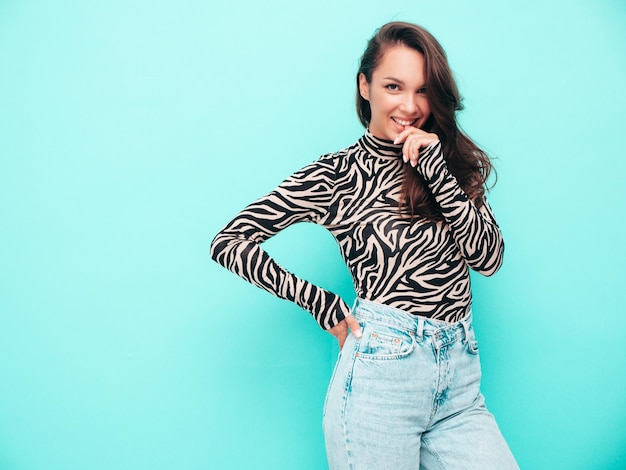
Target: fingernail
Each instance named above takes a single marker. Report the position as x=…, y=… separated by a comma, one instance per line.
x=404, y=157
x=395, y=141
x=358, y=333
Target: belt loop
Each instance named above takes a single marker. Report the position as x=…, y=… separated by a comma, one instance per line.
x=355, y=305
x=420, y=328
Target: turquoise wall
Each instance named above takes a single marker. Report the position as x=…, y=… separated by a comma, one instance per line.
x=131, y=131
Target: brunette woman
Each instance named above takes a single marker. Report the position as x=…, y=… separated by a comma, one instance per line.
x=406, y=204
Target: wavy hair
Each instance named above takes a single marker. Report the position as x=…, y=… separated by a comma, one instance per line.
x=465, y=160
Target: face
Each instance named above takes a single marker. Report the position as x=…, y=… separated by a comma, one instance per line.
x=397, y=92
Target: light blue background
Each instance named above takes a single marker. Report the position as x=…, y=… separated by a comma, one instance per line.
x=130, y=133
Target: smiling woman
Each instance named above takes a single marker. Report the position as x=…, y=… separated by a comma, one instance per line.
x=396, y=92
x=406, y=205
x=405, y=82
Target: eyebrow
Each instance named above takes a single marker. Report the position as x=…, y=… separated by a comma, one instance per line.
x=394, y=79
x=397, y=80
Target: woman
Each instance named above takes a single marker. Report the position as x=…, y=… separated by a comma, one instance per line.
x=406, y=205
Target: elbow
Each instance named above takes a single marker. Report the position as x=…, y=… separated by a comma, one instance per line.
x=487, y=272
x=226, y=248
x=216, y=247
x=488, y=265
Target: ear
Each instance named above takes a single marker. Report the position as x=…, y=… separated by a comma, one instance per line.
x=364, y=87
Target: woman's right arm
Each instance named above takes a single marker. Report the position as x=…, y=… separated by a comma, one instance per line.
x=304, y=197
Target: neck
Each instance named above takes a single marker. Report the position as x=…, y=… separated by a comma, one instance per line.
x=380, y=147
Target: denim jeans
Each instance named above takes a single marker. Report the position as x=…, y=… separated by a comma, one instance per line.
x=407, y=396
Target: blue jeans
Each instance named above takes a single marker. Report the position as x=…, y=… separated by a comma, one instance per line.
x=407, y=396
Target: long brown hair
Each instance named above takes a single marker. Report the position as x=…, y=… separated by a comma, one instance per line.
x=468, y=163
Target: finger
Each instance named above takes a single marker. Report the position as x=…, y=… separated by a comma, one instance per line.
x=403, y=135
x=410, y=137
x=411, y=151
x=406, y=151
x=416, y=144
x=354, y=326
x=410, y=132
x=415, y=153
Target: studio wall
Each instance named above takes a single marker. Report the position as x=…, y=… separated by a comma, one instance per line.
x=132, y=131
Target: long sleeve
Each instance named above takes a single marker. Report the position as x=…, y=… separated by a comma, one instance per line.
x=304, y=197
x=475, y=230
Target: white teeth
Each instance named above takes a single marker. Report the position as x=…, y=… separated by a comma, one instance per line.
x=404, y=123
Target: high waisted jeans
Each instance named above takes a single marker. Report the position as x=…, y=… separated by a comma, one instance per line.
x=407, y=396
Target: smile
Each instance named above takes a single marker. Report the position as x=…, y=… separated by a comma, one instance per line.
x=404, y=123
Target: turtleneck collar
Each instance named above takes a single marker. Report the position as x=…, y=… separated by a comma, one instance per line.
x=380, y=147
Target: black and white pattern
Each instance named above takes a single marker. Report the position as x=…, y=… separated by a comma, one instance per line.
x=419, y=266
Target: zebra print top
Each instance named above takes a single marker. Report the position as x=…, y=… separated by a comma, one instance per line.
x=419, y=266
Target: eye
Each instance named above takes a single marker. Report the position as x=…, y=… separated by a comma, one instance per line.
x=421, y=91
x=392, y=87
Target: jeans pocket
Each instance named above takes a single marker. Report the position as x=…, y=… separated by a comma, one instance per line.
x=385, y=342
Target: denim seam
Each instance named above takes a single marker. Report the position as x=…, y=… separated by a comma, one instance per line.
x=397, y=325
x=344, y=412
x=419, y=328
x=384, y=357
x=332, y=380
x=428, y=444
x=388, y=357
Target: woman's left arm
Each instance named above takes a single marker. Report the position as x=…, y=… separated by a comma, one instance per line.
x=474, y=229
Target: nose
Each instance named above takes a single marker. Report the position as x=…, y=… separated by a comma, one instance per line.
x=409, y=104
